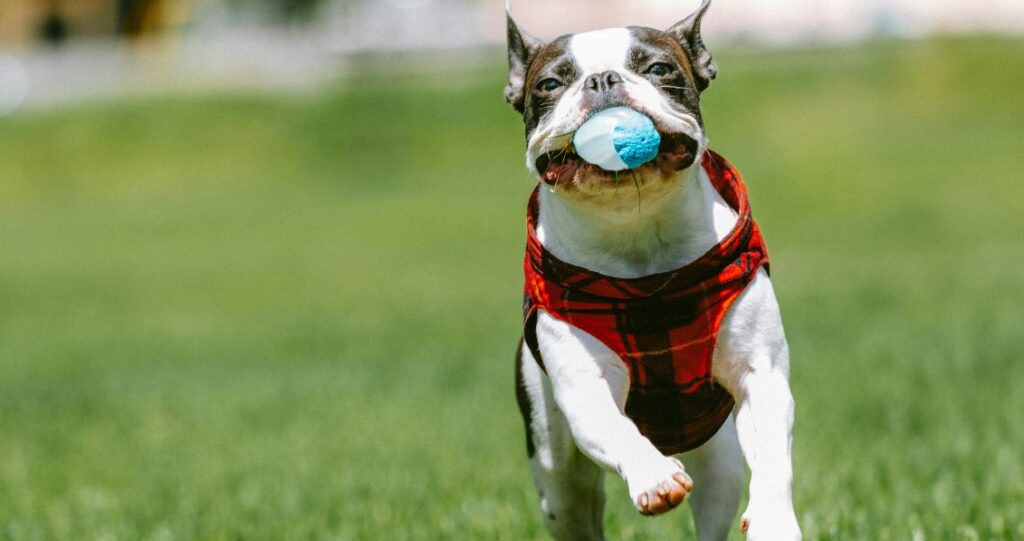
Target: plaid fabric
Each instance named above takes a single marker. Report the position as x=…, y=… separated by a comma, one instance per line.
x=663, y=326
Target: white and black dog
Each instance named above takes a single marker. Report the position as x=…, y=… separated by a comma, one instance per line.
x=619, y=271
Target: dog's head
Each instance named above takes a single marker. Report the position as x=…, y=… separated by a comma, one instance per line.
x=558, y=85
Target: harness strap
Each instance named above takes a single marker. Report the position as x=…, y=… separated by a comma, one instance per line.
x=530, y=335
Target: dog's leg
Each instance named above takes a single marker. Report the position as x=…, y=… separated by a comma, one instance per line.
x=752, y=362
x=718, y=472
x=589, y=384
x=570, y=485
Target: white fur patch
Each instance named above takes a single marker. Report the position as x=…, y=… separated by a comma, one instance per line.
x=602, y=50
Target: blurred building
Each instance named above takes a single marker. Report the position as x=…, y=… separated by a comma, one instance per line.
x=24, y=22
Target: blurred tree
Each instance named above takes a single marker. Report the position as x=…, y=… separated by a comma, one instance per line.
x=135, y=17
x=53, y=29
x=288, y=10
x=297, y=9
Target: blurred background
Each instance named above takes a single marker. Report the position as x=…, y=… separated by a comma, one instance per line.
x=260, y=263
x=69, y=50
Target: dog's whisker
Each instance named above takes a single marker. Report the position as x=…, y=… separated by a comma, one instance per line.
x=560, y=141
x=636, y=182
x=565, y=156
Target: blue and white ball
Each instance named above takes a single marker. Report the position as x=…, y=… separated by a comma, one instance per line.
x=617, y=139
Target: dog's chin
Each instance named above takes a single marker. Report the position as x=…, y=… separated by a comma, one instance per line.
x=565, y=170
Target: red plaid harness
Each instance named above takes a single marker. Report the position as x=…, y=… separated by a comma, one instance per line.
x=662, y=326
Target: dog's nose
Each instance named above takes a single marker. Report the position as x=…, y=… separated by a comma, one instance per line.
x=602, y=82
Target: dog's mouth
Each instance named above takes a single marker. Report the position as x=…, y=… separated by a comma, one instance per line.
x=677, y=152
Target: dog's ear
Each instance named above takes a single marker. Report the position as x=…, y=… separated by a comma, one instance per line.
x=521, y=49
x=687, y=31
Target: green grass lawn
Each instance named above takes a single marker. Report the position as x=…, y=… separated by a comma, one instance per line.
x=261, y=317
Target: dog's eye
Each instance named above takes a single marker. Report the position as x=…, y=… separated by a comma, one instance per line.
x=549, y=85
x=659, y=69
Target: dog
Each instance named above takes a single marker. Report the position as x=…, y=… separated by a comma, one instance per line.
x=652, y=335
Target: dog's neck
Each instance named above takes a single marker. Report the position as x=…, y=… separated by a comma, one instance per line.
x=659, y=230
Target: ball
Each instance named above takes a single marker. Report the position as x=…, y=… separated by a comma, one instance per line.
x=617, y=139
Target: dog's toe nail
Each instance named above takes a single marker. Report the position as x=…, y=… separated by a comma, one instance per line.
x=676, y=497
x=684, y=481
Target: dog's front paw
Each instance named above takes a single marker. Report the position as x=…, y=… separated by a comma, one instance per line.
x=772, y=523
x=659, y=487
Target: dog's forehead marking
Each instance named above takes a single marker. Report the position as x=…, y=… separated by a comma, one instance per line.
x=601, y=50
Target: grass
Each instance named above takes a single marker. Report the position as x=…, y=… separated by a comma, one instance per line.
x=259, y=317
